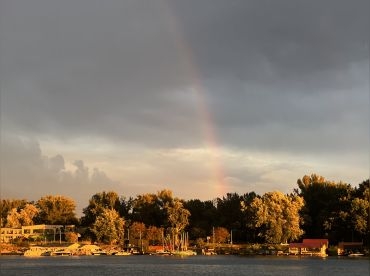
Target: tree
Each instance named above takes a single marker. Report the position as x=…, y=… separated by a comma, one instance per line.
x=13, y=219
x=22, y=217
x=98, y=203
x=28, y=214
x=108, y=227
x=277, y=216
x=327, y=207
x=56, y=210
x=154, y=235
x=178, y=217
x=251, y=232
x=203, y=216
x=360, y=211
x=71, y=237
x=222, y=235
x=137, y=230
x=6, y=205
x=147, y=209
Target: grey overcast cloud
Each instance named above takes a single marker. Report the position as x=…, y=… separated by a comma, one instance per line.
x=202, y=97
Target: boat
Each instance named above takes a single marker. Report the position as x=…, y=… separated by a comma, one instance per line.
x=356, y=255
x=98, y=252
x=61, y=252
x=184, y=253
x=36, y=251
x=163, y=253
x=121, y=253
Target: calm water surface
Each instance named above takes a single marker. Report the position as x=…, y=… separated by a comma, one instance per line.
x=196, y=265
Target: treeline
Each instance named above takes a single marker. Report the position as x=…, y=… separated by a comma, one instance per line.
x=317, y=208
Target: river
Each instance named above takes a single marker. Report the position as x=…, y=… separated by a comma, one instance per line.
x=195, y=265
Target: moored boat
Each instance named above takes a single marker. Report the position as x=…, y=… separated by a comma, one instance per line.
x=36, y=251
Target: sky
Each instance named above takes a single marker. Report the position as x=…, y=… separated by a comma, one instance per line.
x=200, y=97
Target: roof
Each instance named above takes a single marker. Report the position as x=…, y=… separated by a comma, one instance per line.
x=310, y=243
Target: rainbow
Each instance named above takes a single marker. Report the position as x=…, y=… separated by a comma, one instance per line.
x=207, y=123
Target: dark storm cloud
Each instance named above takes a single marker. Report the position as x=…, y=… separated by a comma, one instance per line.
x=289, y=39
x=274, y=73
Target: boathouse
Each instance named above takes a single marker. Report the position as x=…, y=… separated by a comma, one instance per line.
x=310, y=247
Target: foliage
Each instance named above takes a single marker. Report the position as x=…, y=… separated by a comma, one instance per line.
x=146, y=209
x=178, y=216
x=203, y=216
x=56, y=210
x=154, y=235
x=277, y=216
x=97, y=204
x=108, y=227
x=222, y=235
x=360, y=210
x=23, y=217
x=6, y=205
x=319, y=208
x=327, y=208
x=71, y=237
x=137, y=230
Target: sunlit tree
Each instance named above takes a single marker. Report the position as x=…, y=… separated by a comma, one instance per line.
x=108, y=227
x=56, y=210
x=154, y=234
x=137, y=230
x=178, y=218
x=277, y=216
x=6, y=205
x=221, y=235
x=97, y=204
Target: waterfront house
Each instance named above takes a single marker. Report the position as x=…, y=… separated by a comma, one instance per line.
x=8, y=235
x=309, y=247
x=53, y=232
x=348, y=248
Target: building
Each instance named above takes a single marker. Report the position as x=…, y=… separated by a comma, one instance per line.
x=49, y=232
x=310, y=247
x=7, y=235
x=348, y=248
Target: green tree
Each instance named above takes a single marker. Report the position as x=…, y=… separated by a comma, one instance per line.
x=108, y=227
x=203, y=216
x=147, y=209
x=97, y=204
x=56, y=210
x=250, y=230
x=230, y=214
x=327, y=207
x=277, y=216
x=360, y=212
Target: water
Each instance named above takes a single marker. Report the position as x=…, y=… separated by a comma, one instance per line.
x=196, y=265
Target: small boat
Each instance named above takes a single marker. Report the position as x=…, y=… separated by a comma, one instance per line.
x=98, y=252
x=184, y=253
x=121, y=253
x=36, y=251
x=163, y=253
x=356, y=255
x=61, y=252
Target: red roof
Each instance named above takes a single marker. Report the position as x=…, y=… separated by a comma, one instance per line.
x=310, y=243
